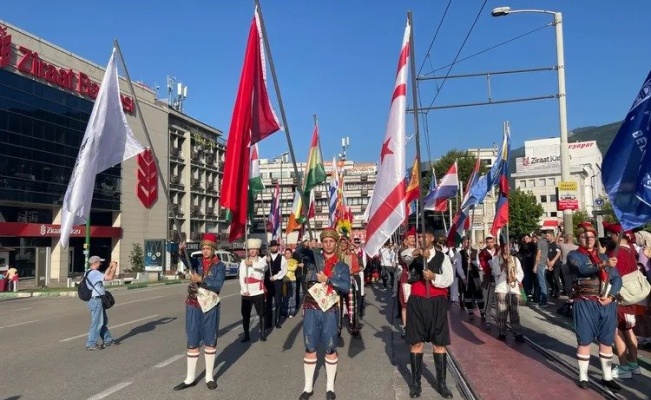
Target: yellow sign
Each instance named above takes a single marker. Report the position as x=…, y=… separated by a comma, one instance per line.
x=568, y=186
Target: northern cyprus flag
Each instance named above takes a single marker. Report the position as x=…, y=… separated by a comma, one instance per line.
x=108, y=141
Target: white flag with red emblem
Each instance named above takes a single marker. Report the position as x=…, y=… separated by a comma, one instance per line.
x=387, y=207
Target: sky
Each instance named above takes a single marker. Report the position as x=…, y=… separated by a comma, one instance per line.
x=337, y=58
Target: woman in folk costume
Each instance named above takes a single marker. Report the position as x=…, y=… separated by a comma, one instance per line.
x=201, y=313
x=508, y=274
x=595, y=309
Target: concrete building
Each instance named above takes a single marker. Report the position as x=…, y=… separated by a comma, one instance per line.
x=46, y=97
x=539, y=172
x=359, y=180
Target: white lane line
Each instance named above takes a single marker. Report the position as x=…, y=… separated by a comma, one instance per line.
x=21, y=309
x=110, y=391
x=111, y=327
x=21, y=323
x=169, y=361
x=135, y=301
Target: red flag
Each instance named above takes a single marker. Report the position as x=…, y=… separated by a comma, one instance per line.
x=253, y=120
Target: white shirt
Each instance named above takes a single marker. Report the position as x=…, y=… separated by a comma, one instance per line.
x=407, y=255
x=501, y=286
x=446, y=277
x=255, y=275
x=283, y=266
x=388, y=256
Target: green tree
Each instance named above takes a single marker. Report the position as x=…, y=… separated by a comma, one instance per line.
x=580, y=216
x=137, y=258
x=524, y=213
x=608, y=213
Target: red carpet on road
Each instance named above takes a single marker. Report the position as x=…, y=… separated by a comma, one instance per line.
x=507, y=370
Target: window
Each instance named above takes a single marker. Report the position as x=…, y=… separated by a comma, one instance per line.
x=523, y=183
x=532, y=183
x=553, y=214
x=543, y=199
x=541, y=182
x=552, y=198
x=551, y=181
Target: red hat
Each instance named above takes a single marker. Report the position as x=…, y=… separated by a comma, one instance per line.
x=614, y=228
x=209, y=239
x=585, y=227
x=410, y=232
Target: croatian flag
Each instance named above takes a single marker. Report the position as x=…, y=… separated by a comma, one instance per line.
x=446, y=189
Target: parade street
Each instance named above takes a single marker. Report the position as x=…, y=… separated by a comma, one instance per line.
x=43, y=352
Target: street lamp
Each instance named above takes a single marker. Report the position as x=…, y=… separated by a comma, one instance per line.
x=562, y=100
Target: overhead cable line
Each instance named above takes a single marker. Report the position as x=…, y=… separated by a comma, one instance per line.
x=431, y=44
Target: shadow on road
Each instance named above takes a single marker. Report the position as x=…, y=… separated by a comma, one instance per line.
x=227, y=357
x=148, y=327
x=12, y=398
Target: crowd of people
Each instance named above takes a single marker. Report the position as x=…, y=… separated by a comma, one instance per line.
x=323, y=282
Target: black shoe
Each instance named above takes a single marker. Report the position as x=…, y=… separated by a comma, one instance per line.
x=611, y=384
x=584, y=384
x=245, y=339
x=305, y=395
x=183, y=385
x=263, y=336
x=501, y=337
x=440, y=364
x=519, y=338
x=330, y=395
x=212, y=385
x=278, y=326
x=444, y=391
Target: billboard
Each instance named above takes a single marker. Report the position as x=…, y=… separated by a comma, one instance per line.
x=568, y=198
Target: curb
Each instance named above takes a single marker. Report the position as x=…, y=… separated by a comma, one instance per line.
x=73, y=293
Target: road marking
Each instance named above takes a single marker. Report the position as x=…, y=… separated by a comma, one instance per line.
x=169, y=361
x=135, y=301
x=110, y=391
x=22, y=309
x=110, y=327
x=21, y=323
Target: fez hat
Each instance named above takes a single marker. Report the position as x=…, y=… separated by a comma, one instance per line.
x=209, y=239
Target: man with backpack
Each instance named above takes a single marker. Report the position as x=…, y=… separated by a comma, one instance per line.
x=93, y=281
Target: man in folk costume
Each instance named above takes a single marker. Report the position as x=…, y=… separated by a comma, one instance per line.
x=470, y=279
x=431, y=275
x=251, y=274
x=320, y=326
x=352, y=300
x=488, y=283
x=201, y=320
x=273, y=280
x=508, y=274
x=595, y=309
x=625, y=339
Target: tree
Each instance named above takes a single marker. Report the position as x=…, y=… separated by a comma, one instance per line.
x=580, y=216
x=137, y=258
x=524, y=213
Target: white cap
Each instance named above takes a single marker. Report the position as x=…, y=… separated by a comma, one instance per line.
x=253, y=244
x=94, y=259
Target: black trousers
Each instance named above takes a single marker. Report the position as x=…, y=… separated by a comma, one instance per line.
x=299, y=288
x=249, y=302
x=274, y=302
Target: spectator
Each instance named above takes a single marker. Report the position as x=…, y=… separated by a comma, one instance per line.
x=540, y=266
x=98, y=317
x=289, y=300
x=566, y=244
x=12, y=279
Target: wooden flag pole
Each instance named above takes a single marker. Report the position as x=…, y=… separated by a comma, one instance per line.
x=283, y=115
x=161, y=177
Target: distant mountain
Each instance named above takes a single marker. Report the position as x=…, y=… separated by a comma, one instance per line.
x=603, y=134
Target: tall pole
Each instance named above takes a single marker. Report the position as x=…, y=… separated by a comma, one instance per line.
x=414, y=94
x=161, y=177
x=87, y=243
x=562, y=112
x=281, y=107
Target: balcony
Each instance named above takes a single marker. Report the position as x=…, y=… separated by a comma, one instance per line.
x=364, y=178
x=364, y=192
x=318, y=194
x=318, y=209
x=195, y=183
x=318, y=224
x=174, y=236
x=274, y=180
x=196, y=236
x=175, y=154
x=194, y=211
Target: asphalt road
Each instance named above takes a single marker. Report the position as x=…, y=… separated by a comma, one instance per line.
x=42, y=347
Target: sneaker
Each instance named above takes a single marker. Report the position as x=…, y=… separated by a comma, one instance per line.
x=620, y=372
x=95, y=348
x=635, y=369
x=113, y=343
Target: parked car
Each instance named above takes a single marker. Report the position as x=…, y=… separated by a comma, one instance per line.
x=231, y=260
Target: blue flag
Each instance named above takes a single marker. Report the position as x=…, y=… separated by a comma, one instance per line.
x=626, y=167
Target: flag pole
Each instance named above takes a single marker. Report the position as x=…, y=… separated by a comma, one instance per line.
x=283, y=115
x=316, y=125
x=87, y=242
x=161, y=177
x=414, y=93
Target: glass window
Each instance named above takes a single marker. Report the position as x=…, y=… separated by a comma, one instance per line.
x=551, y=181
x=553, y=214
x=532, y=183
x=41, y=129
x=541, y=182
x=523, y=183
x=552, y=198
x=543, y=199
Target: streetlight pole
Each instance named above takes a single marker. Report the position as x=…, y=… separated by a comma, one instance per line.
x=562, y=98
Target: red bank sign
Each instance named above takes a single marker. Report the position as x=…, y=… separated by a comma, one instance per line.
x=30, y=63
x=23, y=229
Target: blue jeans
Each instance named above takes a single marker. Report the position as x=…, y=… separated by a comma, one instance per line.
x=98, y=323
x=289, y=302
x=542, y=283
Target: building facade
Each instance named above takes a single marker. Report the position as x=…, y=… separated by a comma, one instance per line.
x=359, y=180
x=46, y=97
x=539, y=172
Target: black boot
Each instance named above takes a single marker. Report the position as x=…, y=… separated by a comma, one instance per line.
x=263, y=329
x=440, y=363
x=277, y=317
x=416, y=361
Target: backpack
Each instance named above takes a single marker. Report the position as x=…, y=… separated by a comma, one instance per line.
x=635, y=288
x=83, y=291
